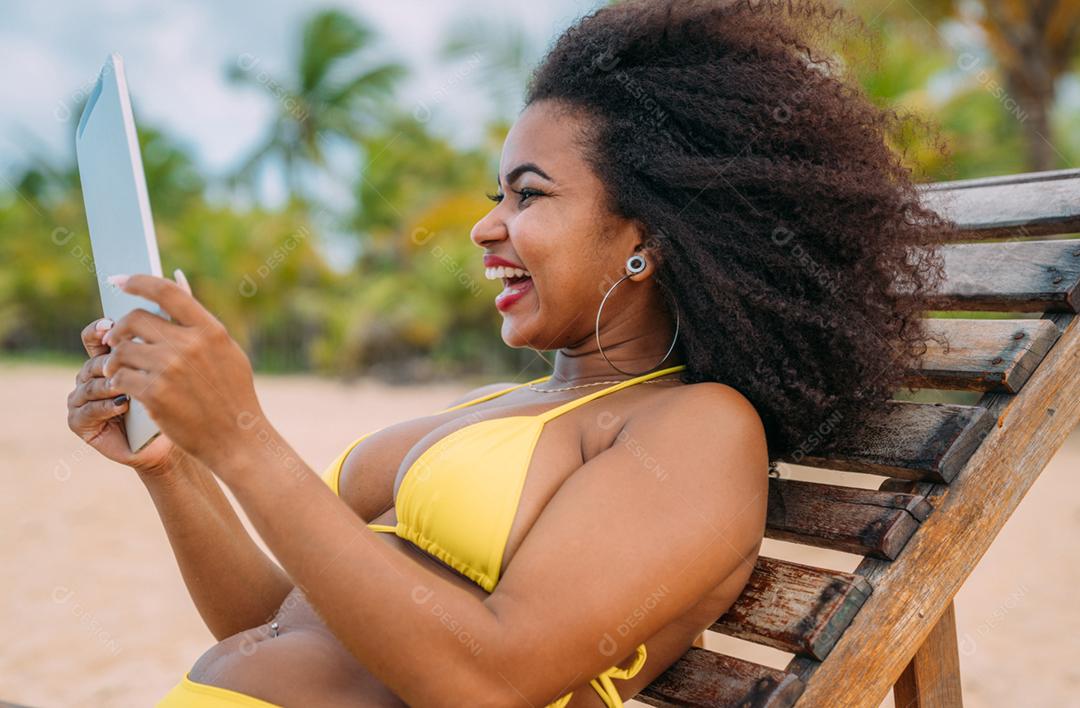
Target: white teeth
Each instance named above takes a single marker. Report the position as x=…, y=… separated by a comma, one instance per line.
x=500, y=272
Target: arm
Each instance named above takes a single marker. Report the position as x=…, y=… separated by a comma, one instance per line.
x=234, y=584
x=614, y=534
x=644, y=531
x=629, y=539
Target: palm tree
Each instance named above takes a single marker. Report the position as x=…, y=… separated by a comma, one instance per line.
x=503, y=56
x=1034, y=43
x=328, y=98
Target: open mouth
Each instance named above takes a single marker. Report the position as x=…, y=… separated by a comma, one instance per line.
x=516, y=283
x=512, y=283
x=514, y=289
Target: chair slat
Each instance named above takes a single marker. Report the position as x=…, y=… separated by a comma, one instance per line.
x=868, y=522
x=1011, y=276
x=706, y=678
x=794, y=607
x=983, y=355
x=812, y=612
x=912, y=592
x=1035, y=204
x=920, y=441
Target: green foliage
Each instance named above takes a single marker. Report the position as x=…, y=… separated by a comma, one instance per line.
x=171, y=174
x=408, y=169
x=251, y=269
x=335, y=90
x=414, y=304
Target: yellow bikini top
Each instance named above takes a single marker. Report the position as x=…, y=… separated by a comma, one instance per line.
x=457, y=501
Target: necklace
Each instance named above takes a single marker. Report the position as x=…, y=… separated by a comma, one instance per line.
x=598, y=383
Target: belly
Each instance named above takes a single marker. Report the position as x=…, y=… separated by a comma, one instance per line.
x=305, y=664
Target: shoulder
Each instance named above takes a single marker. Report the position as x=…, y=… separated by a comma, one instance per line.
x=481, y=391
x=711, y=419
x=719, y=439
x=706, y=400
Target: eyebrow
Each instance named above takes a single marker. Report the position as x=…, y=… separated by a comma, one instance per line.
x=521, y=169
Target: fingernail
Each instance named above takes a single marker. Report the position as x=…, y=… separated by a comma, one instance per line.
x=104, y=323
x=120, y=400
x=179, y=277
x=118, y=280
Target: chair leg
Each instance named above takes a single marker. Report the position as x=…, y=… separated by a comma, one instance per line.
x=932, y=678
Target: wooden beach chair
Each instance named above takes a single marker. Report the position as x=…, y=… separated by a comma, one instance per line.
x=955, y=475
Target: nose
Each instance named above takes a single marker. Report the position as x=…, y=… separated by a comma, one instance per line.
x=489, y=229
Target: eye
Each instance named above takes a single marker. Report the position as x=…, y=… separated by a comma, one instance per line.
x=527, y=193
x=496, y=197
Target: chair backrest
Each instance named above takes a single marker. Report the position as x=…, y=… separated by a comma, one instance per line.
x=955, y=472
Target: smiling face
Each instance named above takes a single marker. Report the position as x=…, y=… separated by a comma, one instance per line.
x=552, y=220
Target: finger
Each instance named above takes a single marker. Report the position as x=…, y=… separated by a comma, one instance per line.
x=142, y=324
x=181, y=279
x=133, y=355
x=91, y=336
x=92, y=368
x=180, y=306
x=133, y=382
x=96, y=412
x=95, y=389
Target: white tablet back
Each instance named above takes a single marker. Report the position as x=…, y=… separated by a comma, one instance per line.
x=117, y=209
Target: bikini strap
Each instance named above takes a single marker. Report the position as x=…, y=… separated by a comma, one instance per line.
x=493, y=395
x=556, y=412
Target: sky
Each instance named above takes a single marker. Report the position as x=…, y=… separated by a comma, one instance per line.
x=175, y=54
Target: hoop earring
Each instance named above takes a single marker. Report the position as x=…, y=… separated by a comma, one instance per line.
x=634, y=265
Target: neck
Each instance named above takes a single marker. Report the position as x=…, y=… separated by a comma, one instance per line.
x=635, y=334
x=584, y=363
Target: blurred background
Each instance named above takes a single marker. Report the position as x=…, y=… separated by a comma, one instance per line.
x=315, y=172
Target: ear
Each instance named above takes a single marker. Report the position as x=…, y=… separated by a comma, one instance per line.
x=648, y=247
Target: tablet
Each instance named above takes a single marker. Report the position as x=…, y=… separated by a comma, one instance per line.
x=122, y=235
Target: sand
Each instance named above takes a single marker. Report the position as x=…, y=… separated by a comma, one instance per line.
x=96, y=613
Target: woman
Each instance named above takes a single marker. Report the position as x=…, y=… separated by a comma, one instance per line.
x=692, y=200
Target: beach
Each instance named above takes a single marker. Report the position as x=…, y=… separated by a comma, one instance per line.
x=97, y=613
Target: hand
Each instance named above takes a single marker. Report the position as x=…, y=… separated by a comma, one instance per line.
x=95, y=408
x=195, y=381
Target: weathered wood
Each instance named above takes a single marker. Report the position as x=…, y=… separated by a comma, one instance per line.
x=794, y=607
x=1016, y=178
x=1031, y=427
x=862, y=521
x=961, y=471
x=932, y=677
x=1013, y=276
x=802, y=666
x=921, y=441
x=706, y=678
x=982, y=355
x=1034, y=204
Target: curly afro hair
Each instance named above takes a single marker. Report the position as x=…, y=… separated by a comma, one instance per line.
x=789, y=232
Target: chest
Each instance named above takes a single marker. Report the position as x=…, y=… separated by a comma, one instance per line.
x=470, y=468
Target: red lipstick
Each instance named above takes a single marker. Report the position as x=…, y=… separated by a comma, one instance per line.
x=513, y=288
x=493, y=261
x=512, y=293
